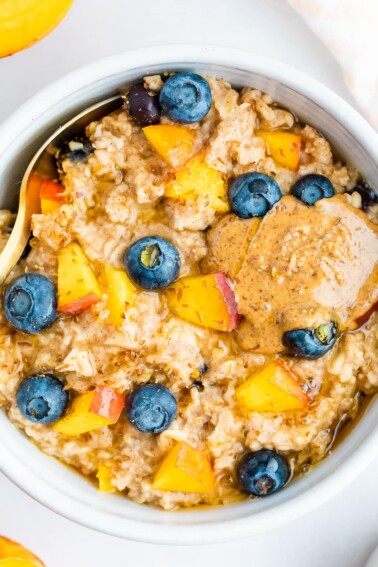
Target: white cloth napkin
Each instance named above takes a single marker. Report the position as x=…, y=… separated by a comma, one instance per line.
x=349, y=28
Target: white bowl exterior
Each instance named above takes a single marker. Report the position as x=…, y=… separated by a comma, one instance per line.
x=58, y=487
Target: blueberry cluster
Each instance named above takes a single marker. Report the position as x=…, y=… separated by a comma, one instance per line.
x=185, y=98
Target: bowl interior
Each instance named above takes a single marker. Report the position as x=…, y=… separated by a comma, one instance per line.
x=73, y=496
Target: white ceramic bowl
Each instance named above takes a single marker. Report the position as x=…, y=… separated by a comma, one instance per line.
x=55, y=485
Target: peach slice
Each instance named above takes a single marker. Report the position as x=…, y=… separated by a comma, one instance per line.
x=24, y=22
x=206, y=300
x=185, y=469
x=173, y=143
x=80, y=418
x=121, y=293
x=273, y=389
x=13, y=554
x=284, y=147
x=51, y=196
x=107, y=403
x=78, y=288
x=197, y=179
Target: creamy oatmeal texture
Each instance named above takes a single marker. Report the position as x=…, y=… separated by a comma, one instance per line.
x=114, y=198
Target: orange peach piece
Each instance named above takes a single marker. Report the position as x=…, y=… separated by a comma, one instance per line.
x=13, y=551
x=78, y=288
x=273, y=389
x=107, y=403
x=104, y=479
x=24, y=22
x=197, y=179
x=185, y=469
x=121, y=293
x=175, y=144
x=284, y=147
x=206, y=300
x=51, y=196
x=79, y=419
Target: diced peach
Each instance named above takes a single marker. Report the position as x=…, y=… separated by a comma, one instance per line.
x=104, y=479
x=284, y=147
x=185, y=469
x=206, y=300
x=121, y=293
x=79, y=419
x=173, y=143
x=273, y=389
x=78, y=288
x=21, y=557
x=107, y=403
x=51, y=196
x=197, y=179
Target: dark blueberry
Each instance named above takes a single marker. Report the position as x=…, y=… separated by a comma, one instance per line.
x=143, y=105
x=151, y=408
x=30, y=303
x=253, y=195
x=42, y=399
x=262, y=473
x=152, y=262
x=369, y=196
x=312, y=188
x=311, y=343
x=185, y=98
x=78, y=149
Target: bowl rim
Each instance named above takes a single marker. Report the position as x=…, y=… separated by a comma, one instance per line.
x=50, y=496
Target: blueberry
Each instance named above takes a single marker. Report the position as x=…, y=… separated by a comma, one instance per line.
x=151, y=408
x=30, y=303
x=312, y=188
x=263, y=472
x=185, y=98
x=253, y=195
x=368, y=195
x=311, y=343
x=152, y=262
x=42, y=398
x=143, y=105
x=76, y=150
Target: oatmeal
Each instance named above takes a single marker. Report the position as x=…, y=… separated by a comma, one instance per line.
x=196, y=314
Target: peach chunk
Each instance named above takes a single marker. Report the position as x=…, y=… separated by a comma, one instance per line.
x=284, y=147
x=80, y=419
x=272, y=389
x=12, y=554
x=185, y=469
x=51, y=196
x=173, y=143
x=206, y=300
x=104, y=479
x=78, y=288
x=107, y=403
x=121, y=293
x=197, y=179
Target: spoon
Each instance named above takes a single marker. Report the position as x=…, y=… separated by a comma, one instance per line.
x=43, y=166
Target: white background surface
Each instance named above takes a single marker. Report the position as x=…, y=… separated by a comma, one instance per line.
x=339, y=534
